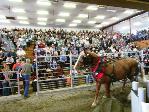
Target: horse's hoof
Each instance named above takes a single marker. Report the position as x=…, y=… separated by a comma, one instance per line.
x=106, y=96
x=93, y=104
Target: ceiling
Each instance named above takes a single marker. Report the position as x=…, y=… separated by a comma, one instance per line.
x=29, y=17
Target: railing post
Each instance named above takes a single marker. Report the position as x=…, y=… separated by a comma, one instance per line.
x=134, y=97
x=70, y=57
x=142, y=97
x=18, y=80
x=38, y=89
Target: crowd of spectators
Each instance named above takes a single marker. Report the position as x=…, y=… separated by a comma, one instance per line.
x=53, y=42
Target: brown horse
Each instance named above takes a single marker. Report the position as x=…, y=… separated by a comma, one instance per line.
x=120, y=69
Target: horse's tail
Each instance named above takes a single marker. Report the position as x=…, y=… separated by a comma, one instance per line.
x=137, y=71
x=142, y=72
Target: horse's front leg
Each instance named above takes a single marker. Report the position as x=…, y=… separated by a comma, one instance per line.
x=98, y=85
x=107, y=88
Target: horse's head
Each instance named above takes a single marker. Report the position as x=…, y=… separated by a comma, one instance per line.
x=87, y=59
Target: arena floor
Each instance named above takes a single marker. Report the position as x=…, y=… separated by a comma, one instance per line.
x=66, y=102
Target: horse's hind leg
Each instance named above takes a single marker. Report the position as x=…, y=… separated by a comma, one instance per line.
x=98, y=85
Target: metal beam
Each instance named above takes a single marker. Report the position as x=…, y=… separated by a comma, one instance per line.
x=133, y=4
x=139, y=13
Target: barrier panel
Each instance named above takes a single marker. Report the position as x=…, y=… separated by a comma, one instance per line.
x=51, y=73
x=8, y=84
x=139, y=97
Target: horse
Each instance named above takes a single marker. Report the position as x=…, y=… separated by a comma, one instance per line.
x=120, y=69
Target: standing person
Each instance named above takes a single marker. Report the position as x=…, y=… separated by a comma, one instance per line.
x=26, y=73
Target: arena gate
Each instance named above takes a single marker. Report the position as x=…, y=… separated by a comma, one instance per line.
x=140, y=97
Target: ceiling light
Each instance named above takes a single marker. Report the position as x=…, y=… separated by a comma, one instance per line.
x=19, y=10
x=64, y=14
x=98, y=26
x=41, y=23
x=100, y=17
x=72, y=25
x=115, y=18
x=15, y=0
x=110, y=10
x=76, y=21
x=137, y=23
x=23, y=22
x=83, y=15
x=4, y=21
x=69, y=5
x=91, y=22
x=42, y=12
x=129, y=11
x=60, y=20
x=22, y=17
x=101, y=6
x=42, y=19
x=105, y=23
x=92, y=7
x=2, y=17
x=43, y=3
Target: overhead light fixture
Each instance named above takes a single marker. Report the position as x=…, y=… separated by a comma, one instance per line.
x=60, y=20
x=23, y=22
x=16, y=0
x=64, y=14
x=101, y=6
x=2, y=17
x=42, y=19
x=83, y=15
x=76, y=21
x=137, y=23
x=100, y=17
x=18, y=10
x=43, y=3
x=91, y=22
x=69, y=5
x=42, y=12
x=129, y=11
x=92, y=7
x=98, y=26
x=72, y=25
x=22, y=17
x=115, y=18
x=4, y=21
x=110, y=10
x=105, y=23
x=41, y=23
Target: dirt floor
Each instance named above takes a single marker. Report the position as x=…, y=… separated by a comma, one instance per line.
x=66, y=102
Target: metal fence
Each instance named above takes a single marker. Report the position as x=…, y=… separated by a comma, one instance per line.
x=8, y=85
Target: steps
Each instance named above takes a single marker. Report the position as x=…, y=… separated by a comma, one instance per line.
x=30, y=51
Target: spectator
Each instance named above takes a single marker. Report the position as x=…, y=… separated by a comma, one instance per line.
x=26, y=73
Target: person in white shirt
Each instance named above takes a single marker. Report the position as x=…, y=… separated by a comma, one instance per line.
x=21, y=52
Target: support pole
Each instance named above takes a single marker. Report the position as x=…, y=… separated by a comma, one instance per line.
x=38, y=89
x=18, y=76
x=70, y=56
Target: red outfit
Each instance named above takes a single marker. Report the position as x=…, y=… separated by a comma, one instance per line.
x=100, y=74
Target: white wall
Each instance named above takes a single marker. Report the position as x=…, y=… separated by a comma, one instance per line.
x=124, y=27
